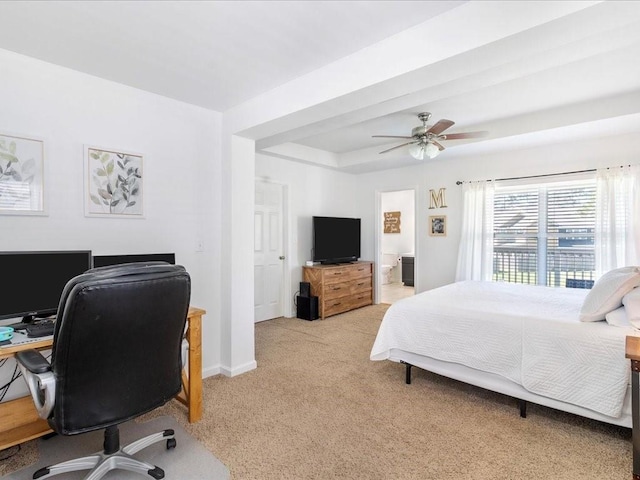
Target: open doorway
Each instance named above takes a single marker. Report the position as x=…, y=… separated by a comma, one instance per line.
x=396, y=241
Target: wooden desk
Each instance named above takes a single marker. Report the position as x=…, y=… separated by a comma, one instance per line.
x=632, y=351
x=19, y=419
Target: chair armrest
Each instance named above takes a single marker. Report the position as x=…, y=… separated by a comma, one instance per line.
x=184, y=352
x=33, y=361
x=36, y=371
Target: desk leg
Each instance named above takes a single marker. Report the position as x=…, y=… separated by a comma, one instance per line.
x=194, y=395
x=635, y=404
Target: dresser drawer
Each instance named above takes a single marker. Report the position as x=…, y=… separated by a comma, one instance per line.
x=359, y=271
x=335, y=275
x=335, y=306
x=360, y=285
x=347, y=272
x=361, y=299
x=337, y=290
x=344, y=304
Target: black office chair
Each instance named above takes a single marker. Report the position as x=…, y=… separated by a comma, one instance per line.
x=117, y=353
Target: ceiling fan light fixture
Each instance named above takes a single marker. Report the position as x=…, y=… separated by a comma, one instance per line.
x=420, y=151
x=425, y=141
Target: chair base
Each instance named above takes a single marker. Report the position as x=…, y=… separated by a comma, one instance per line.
x=100, y=463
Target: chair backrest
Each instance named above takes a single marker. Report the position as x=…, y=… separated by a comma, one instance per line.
x=117, y=344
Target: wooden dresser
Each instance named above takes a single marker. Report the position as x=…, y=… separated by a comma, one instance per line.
x=340, y=288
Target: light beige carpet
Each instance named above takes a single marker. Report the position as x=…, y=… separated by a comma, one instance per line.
x=317, y=408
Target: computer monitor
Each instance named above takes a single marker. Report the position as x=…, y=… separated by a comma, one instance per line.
x=106, y=260
x=33, y=281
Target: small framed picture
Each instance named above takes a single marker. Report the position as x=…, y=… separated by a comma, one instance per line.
x=438, y=225
x=392, y=222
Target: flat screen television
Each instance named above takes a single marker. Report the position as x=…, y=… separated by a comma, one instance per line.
x=106, y=260
x=336, y=239
x=33, y=281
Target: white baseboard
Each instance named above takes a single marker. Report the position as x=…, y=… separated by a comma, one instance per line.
x=210, y=371
x=232, y=372
x=229, y=372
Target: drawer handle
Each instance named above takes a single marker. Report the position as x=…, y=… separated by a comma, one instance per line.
x=360, y=284
x=337, y=288
x=335, y=304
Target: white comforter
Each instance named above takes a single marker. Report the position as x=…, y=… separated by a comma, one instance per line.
x=528, y=334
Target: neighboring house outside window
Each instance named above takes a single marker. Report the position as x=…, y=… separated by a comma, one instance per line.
x=544, y=233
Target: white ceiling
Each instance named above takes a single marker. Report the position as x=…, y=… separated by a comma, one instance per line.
x=575, y=77
x=215, y=54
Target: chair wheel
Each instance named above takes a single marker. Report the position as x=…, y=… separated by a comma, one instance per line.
x=156, y=473
x=171, y=443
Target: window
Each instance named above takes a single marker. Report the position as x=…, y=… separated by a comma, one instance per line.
x=544, y=233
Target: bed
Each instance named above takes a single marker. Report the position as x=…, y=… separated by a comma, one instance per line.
x=524, y=341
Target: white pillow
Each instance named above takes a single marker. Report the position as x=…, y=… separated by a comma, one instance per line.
x=631, y=302
x=606, y=295
x=618, y=318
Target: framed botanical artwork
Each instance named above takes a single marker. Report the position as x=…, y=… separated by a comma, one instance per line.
x=438, y=225
x=21, y=175
x=113, y=183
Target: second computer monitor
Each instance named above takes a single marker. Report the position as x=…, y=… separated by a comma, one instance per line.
x=106, y=260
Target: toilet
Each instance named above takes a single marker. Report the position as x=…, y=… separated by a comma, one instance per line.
x=389, y=262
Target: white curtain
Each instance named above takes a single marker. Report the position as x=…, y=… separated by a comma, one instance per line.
x=617, y=235
x=475, y=255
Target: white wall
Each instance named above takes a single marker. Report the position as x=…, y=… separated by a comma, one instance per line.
x=436, y=257
x=310, y=191
x=236, y=264
x=181, y=172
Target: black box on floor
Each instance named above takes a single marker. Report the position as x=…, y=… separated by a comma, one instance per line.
x=305, y=289
x=307, y=307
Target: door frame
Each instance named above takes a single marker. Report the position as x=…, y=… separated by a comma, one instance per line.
x=378, y=238
x=287, y=301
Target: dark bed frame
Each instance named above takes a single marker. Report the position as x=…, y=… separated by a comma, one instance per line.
x=522, y=404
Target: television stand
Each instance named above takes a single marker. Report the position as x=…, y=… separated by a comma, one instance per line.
x=340, y=287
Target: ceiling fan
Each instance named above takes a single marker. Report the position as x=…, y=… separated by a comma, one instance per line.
x=425, y=140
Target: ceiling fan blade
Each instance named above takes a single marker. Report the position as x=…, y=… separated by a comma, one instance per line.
x=398, y=146
x=440, y=147
x=460, y=136
x=440, y=126
x=389, y=136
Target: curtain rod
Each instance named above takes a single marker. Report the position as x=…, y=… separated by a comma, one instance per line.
x=459, y=182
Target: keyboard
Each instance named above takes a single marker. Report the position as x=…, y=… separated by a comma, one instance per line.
x=24, y=325
x=42, y=329
x=19, y=325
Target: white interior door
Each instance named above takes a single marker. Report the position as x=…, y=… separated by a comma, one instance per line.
x=268, y=251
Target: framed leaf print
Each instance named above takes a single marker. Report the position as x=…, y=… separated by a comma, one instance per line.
x=21, y=175
x=114, y=183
